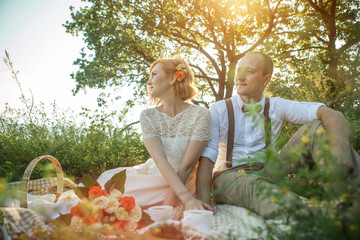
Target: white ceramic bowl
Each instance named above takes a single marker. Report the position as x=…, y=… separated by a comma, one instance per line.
x=160, y=213
x=199, y=219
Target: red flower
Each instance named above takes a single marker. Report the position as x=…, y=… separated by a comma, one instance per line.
x=180, y=75
x=128, y=203
x=100, y=214
x=96, y=191
x=76, y=211
x=120, y=225
x=89, y=220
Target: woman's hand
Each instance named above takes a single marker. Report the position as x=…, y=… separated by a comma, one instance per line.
x=196, y=204
x=171, y=199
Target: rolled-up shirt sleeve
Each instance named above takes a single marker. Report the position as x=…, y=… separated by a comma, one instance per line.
x=298, y=112
x=212, y=149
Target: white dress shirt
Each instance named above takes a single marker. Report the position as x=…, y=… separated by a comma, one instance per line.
x=248, y=139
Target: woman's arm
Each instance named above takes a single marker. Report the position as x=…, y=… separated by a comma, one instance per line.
x=191, y=157
x=156, y=150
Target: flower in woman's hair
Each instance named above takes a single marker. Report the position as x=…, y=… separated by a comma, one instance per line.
x=135, y=214
x=120, y=225
x=76, y=211
x=116, y=193
x=101, y=202
x=180, y=75
x=180, y=67
x=96, y=191
x=128, y=203
x=131, y=226
x=112, y=205
x=121, y=214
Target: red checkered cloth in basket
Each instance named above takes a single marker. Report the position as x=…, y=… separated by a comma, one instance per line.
x=21, y=220
x=42, y=186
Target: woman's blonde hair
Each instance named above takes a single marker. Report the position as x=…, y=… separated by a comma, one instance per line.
x=184, y=89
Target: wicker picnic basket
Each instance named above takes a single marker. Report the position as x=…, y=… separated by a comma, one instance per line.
x=16, y=221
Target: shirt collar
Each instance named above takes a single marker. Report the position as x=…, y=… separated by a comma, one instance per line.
x=241, y=102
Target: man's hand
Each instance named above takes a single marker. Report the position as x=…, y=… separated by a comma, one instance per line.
x=204, y=180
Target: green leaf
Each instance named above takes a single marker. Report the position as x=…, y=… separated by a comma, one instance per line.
x=117, y=181
x=81, y=192
x=88, y=181
x=145, y=220
x=62, y=220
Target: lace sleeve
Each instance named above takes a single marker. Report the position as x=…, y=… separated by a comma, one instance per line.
x=202, y=127
x=146, y=128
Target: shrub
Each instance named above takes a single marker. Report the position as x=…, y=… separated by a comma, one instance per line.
x=83, y=147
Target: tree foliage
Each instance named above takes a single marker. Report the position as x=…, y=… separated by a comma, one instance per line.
x=124, y=37
x=320, y=45
x=315, y=44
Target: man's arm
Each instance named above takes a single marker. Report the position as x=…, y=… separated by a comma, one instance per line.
x=204, y=179
x=340, y=134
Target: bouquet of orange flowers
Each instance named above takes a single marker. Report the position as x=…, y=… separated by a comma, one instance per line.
x=106, y=210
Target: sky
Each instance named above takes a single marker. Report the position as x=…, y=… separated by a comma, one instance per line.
x=32, y=33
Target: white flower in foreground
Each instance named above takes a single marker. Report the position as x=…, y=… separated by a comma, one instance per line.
x=135, y=214
x=112, y=218
x=108, y=228
x=121, y=214
x=116, y=194
x=101, y=202
x=112, y=205
x=131, y=226
x=76, y=223
x=95, y=226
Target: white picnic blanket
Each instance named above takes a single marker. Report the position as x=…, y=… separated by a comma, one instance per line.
x=229, y=222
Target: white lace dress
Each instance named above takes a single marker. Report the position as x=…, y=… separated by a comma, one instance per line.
x=144, y=182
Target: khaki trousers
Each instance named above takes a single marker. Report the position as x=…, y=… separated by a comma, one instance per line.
x=259, y=194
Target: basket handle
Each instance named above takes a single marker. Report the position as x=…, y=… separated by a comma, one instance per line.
x=27, y=174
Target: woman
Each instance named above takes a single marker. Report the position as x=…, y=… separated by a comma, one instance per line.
x=175, y=133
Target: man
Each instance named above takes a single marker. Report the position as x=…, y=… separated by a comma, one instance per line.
x=254, y=72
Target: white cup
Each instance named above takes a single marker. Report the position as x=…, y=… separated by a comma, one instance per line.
x=199, y=219
x=160, y=213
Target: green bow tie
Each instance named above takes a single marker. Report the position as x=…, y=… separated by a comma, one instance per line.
x=257, y=107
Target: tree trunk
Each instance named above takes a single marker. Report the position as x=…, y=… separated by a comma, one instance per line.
x=230, y=79
x=332, y=51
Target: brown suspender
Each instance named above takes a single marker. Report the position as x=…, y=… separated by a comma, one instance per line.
x=267, y=124
x=231, y=129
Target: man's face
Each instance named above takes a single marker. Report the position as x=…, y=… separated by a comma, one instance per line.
x=250, y=80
